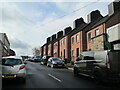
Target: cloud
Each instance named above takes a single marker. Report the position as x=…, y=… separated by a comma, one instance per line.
x=14, y=24
x=54, y=22
x=38, y=14
x=21, y=47
x=25, y=34
x=18, y=44
x=13, y=20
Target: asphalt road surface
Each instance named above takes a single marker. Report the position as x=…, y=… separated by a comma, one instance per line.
x=41, y=76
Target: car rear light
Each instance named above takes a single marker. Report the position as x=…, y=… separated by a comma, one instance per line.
x=108, y=61
x=22, y=67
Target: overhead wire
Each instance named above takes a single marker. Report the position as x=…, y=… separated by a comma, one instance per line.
x=71, y=12
x=51, y=21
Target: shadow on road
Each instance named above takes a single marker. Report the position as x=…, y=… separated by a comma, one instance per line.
x=12, y=83
x=105, y=84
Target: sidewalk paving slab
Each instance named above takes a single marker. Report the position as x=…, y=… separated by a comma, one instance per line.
x=69, y=66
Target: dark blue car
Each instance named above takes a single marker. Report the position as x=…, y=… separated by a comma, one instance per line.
x=37, y=58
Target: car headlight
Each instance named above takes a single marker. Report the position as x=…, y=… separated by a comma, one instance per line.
x=54, y=63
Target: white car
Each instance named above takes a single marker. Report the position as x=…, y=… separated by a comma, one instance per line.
x=13, y=67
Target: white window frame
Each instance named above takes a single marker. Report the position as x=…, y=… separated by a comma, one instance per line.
x=97, y=32
x=77, y=38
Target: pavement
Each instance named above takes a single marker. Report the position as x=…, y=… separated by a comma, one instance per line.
x=69, y=66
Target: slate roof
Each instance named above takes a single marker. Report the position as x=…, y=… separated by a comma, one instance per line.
x=103, y=20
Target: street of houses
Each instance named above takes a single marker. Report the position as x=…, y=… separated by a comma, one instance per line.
x=99, y=33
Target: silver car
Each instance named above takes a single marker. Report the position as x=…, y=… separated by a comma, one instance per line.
x=13, y=67
x=55, y=62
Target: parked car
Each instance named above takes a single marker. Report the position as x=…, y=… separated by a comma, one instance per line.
x=55, y=62
x=37, y=58
x=31, y=59
x=100, y=65
x=44, y=60
x=13, y=67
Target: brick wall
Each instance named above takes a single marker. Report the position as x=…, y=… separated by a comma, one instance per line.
x=45, y=49
x=76, y=44
x=56, y=49
x=41, y=51
x=65, y=48
x=50, y=49
x=102, y=30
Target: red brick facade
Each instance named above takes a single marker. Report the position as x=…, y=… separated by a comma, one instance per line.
x=56, y=49
x=65, y=48
x=81, y=45
x=76, y=46
x=113, y=20
x=45, y=49
x=41, y=51
x=50, y=49
x=102, y=30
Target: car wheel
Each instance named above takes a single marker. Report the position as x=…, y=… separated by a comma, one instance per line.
x=75, y=71
x=52, y=66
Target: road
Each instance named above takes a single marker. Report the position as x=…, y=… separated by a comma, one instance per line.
x=41, y=76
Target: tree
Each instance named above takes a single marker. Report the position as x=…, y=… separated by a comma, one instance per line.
x=36, y=51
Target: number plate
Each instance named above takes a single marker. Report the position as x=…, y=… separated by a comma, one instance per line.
x=9, y=76
x=59, y=65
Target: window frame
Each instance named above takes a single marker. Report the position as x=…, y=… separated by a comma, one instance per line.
x=97, y=32
x=72, y=53
x=77, y=38
x=89, y=36
x=72, y=40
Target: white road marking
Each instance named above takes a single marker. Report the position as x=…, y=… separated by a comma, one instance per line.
x=54, y=77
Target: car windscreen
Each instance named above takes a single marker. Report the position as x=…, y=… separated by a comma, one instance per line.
x=56, y=59
x=38, y=57
x=48, y=57
x=11, y=62
x=88, y=58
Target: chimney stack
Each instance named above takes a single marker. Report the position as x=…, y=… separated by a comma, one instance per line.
x=48, y=39
x=94, y=15
x=113, y=7
x=66, y=30
x=78, y=22
x=53, y=37
x=59, y=34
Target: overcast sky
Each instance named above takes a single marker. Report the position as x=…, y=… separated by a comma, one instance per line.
x=28, y=24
